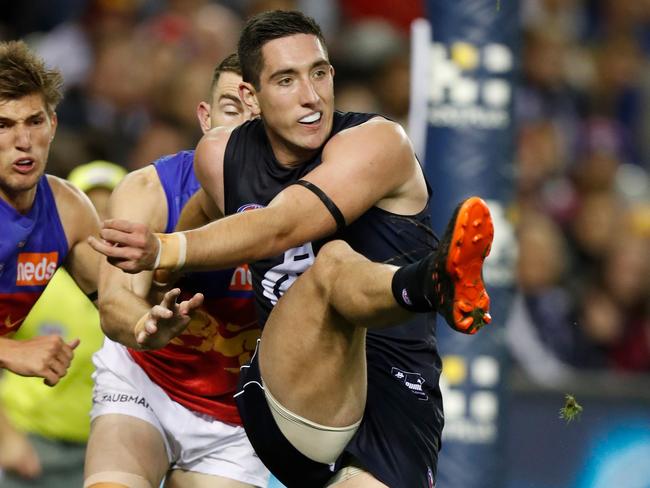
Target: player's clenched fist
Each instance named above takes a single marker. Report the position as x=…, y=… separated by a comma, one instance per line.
x=46, y=356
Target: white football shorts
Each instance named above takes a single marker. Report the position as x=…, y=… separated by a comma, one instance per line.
x=194, y=441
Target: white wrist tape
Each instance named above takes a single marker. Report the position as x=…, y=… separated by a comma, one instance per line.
x=156, y=263
x=182, y=251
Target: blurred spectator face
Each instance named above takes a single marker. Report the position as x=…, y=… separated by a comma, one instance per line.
x=539, y=155
x=596, y=223
x=601, y=319
x=622, y=16
x=104, y=20
x=156, y=141
x=120, y=74
x=542, y=252
x=544, y=59
x=392, y=86
x=184, y=7
x=619, y=64
x=225, y=108
x=627, y=270
x=596, y=172
x=215, y=30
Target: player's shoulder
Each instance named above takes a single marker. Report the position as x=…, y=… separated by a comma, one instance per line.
x=217, y=137
x=65, y=193
x=75, y=210
x=377, y=132
x=143, y=179
x=210, y=151
x=377, y=125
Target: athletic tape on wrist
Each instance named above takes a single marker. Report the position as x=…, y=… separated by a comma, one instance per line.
x=157, y=261
x=172, y=251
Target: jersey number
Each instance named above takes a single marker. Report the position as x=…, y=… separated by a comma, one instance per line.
x=278, y=279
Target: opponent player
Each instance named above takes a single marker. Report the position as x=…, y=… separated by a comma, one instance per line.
x=45, y=447
x=333, y=395
x=44, y=221
x=163, y=401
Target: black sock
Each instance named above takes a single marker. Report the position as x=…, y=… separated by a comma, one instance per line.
x=411, y=284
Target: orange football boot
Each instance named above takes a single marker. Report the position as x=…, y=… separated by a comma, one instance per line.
x=459, y=290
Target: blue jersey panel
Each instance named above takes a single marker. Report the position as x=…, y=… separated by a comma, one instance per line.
x=32, y=247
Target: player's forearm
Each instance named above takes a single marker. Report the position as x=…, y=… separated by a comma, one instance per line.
x=120, y=309
x=6, y=347
x=240, y=238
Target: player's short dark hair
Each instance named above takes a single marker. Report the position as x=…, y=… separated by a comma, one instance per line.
x=229, y=64
x=265, y=27
x=23, y=73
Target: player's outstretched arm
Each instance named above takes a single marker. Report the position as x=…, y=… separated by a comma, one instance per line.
x=357, y=173
x=123, y=298
x=47, y=356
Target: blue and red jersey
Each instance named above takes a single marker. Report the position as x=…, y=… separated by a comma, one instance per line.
x=199, y=369
x=32, y=247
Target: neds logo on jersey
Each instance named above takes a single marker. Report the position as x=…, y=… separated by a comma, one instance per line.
x=241, y=279
x=35, y=268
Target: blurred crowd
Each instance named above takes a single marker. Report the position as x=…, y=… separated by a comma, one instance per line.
x=582, y=187
x=135, y=69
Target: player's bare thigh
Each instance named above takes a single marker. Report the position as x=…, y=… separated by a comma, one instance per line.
x=311, y=359
x=125, y=444
x=179, y=478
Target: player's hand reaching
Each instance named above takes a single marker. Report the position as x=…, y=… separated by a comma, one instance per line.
x=130, y=246
x=46, y=356
x=165, y=321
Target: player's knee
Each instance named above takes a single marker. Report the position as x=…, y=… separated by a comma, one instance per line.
x=334, y=254
x=328, y=263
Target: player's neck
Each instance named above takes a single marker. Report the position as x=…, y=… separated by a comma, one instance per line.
x=289, y=155
x=21, y=201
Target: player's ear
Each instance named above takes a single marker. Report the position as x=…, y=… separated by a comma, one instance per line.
x=203, y=114
x=249, y=97
x=54, y=122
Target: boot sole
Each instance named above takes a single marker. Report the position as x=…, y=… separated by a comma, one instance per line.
x=471, y=241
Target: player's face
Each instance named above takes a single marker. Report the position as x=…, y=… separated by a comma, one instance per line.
x=296, y=96
x=26, y=131
x=226, y=108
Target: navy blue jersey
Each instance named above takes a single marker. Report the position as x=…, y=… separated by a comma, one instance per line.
x=407, y=352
